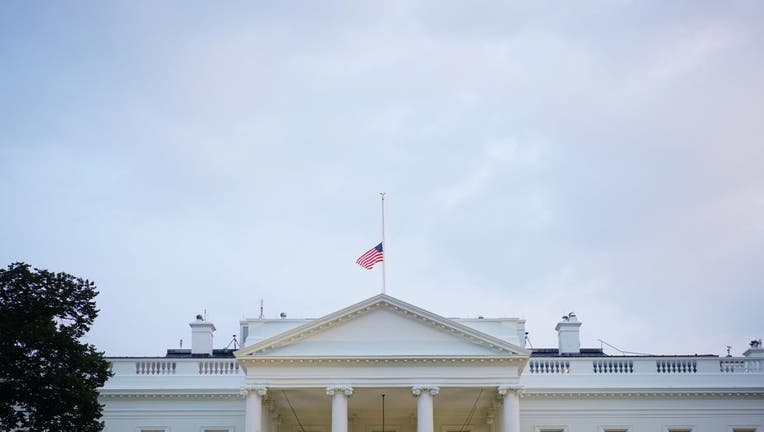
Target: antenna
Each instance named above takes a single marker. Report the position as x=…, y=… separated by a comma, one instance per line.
x=528, y=340
x=205, y=314
x=234, y=342
x=622, y=351
x=261, y=308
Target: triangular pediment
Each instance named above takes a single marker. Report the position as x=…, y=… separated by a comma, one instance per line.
x=382, y=327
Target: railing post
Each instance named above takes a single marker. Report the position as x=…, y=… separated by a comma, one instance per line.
x=709, y=365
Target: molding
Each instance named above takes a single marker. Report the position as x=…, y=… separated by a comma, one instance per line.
x=230, y=395
x=339, y=389
x=261, y=360
x=626, y=393
x=381, y=301
x=357, y=382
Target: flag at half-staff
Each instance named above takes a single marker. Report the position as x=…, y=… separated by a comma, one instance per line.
x=371, y=257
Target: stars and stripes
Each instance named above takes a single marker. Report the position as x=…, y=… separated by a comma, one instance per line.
x=370, y=257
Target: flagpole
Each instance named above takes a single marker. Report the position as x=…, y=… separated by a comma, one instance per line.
x=384, y=246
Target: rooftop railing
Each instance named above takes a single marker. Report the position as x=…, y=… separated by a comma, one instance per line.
x=536, y=366
x=185, y=367
x=644, y=365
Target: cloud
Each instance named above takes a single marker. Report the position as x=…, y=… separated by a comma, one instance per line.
x=603, y=158
x=496, y=156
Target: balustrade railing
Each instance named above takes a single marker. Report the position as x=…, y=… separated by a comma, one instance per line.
x=535, y=366
x=741, y=366
x=218, y=367
x=644, y=366
x=613, y=366
x=551, y=366
x=676, y=366
x=176, y=367
x=155, y=367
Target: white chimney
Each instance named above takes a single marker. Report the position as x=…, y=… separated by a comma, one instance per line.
x=568, y=334
x=756, y=350
x=201, y=336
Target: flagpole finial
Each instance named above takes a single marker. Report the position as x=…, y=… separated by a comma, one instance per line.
x=382, y=194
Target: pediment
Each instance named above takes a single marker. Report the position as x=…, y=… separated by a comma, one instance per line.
x=382, y=327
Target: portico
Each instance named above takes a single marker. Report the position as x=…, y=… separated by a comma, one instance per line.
x=437, y=375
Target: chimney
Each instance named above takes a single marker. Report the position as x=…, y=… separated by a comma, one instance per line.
x=568, y=334
x=201, y=337
x=756, y=350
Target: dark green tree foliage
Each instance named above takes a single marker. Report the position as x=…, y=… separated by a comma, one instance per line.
x=48, y=376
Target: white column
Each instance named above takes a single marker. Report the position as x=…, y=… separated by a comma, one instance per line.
x=499, y=414
x=253, y=407
x=510, y=413
x=275, y=420
x=267, y=406
x=424, y=418
x=340, y=395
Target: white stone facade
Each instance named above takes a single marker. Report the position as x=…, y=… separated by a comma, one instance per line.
x=432, y=374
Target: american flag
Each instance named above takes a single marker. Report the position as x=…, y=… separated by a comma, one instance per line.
x=370, y=257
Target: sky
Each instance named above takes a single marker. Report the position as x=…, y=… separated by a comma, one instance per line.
x=601, y=157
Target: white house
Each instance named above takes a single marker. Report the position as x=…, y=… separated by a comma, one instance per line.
x=383, y=365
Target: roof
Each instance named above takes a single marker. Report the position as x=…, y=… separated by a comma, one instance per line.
x=386, y=302
x=597, y=352
x=186, y=353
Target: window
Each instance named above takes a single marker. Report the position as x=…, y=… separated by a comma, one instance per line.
x=615, y=429
x=743, y=429
x=217, y=429
x=378, y=428
x=244, y=334
x=310, y=428
x=456, y=428
x=551, y=428
x=153, y=429
x=678, y=429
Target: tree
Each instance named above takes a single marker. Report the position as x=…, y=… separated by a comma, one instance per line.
x=49, y=378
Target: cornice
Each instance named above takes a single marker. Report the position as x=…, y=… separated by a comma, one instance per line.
x=232, y=395
x=641, y=394
x=376, y=360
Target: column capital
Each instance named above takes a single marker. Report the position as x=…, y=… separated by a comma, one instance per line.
x=258, y=389
x=509, y=389
x=339, y=389
x=418, y=390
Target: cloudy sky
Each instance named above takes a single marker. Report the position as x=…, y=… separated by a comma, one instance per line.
x=601, y=157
